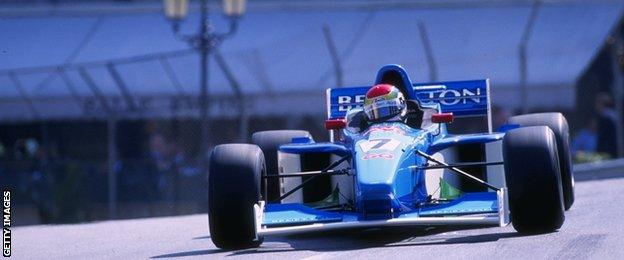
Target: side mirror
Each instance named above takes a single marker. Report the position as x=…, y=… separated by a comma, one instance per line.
x=335, y=124
x=442, y=118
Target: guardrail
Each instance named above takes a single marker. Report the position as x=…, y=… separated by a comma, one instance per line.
x=599, y=170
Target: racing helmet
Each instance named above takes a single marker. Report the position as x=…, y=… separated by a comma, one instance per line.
x=384, y=102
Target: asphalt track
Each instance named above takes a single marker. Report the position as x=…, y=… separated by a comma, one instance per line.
x=594, y=228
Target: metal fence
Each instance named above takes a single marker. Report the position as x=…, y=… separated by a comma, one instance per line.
x=63, y=172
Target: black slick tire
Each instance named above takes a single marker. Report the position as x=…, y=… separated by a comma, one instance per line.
x=559, y=125
x=233, y=189
x=533, y=179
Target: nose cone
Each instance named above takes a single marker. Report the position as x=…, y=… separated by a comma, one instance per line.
x=376, y=185
x=382, y=170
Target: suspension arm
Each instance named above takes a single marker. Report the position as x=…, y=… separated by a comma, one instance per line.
x=308, y=173
x=458, y=165
x=313, y=176
x=457, y=170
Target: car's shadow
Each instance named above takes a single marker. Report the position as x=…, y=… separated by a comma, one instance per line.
x=359, y=239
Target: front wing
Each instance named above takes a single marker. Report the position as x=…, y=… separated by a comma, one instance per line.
x=485, y=208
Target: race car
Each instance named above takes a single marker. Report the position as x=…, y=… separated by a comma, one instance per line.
x=394, y=173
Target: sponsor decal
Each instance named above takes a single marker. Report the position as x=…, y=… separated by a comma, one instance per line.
x=463, y=98
x=385, y=129
x=379, y=144
x=446, y=97
x=347, y=102
x=6, y=223
x=370, y=156
x=451, y=97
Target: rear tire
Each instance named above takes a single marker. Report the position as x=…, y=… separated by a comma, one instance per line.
x=269, y=142
x=559, y=125
x=233, y=189
x=533, y=179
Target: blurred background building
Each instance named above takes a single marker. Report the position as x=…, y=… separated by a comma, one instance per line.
x=99, y=110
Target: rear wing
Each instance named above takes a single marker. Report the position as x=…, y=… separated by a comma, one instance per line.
x=469, y=98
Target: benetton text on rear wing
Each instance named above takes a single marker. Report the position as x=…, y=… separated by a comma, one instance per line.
x=467, y=98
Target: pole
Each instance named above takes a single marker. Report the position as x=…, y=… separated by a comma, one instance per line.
x=24, y=95
x=204, y=43
x=123, y=88
x=617, y=54
x=112, y=158
x=111, y=132
x=334, y=55
x=523, y=57
x=433, y=71
x=242, y=127
x=204, y=50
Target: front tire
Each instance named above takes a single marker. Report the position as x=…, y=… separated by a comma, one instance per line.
x=233, y=189
x=559, y=125
x=533, y=179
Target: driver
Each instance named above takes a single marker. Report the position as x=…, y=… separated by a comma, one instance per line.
x=385, y=103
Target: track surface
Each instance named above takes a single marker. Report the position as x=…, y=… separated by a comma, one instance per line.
x=594, y=228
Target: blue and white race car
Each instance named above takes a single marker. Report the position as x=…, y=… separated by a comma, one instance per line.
x=398, y=173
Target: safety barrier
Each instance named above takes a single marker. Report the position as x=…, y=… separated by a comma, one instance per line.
x=599, y=170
